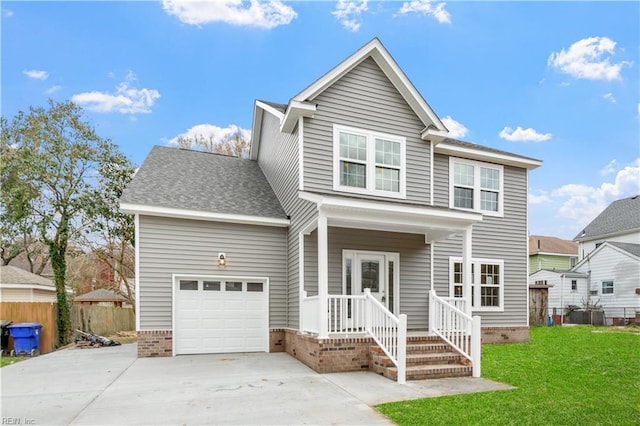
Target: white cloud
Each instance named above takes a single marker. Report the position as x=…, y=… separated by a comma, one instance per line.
x=540, y=198
x=456, y=129
x=582, y=203
x=588, y=58
x=524, y=135
x=211, y=132
x=348, y=12
x=125, y=100
x=36, y=74
x=427, y=8
x=609, y=97
x=609, y=168
x=7, y=13
x=236, y=12
x=53, y=89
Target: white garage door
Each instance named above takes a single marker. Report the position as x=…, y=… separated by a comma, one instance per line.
x=220, y=315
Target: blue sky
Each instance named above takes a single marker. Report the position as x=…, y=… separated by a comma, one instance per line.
x=557, y=81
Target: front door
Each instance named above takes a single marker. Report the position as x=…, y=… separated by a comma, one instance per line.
x=377, y=271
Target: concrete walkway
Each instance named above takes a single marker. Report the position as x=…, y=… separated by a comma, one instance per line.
x=112, y=386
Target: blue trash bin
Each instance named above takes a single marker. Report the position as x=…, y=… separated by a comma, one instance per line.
x=26, y=338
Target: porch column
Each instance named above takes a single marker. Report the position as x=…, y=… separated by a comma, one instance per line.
x=323, y=275
x=467, y=243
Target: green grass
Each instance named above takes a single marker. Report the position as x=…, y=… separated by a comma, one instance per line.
x=8, y=360
x=565, y=376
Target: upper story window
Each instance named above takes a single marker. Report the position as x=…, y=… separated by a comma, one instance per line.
x=368, y=162
x=607, y=287
x=476, y=186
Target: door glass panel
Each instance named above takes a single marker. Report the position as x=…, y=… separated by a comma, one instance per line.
x=257, y=287
x=370, y=276
x=233, y=286
x=188, y=285
x=211, y=285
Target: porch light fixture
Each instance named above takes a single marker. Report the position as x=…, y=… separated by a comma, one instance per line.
x=222, y=259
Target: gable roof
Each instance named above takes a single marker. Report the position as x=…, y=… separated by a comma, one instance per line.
x=100, y=295
x=199, y=185
x=10, y=274
x=630, y=248
x=474, y=151
x=619, y=217
x=300, y=104
x=551, y=245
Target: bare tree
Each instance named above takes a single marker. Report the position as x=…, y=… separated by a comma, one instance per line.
x=234, y=144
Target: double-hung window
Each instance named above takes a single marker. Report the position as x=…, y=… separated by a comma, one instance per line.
x=476, y=186
x=487, y=282
x=607, y=287
x=367, y=162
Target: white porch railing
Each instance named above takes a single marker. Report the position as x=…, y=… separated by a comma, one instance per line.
x=361, y=315
x=457, y=328
x=458, y=302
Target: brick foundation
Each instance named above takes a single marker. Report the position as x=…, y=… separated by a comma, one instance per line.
x=505, y=335
x=277, y=340
x=329, y=355
x=154, y=343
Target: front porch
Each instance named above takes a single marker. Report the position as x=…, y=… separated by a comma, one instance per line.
x=366, y=278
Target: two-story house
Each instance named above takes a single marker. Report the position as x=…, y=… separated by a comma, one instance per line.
x=551, y=253
x=354, y=222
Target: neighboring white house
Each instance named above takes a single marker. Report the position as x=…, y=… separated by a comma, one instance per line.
x=18, y=285
x=566, y=288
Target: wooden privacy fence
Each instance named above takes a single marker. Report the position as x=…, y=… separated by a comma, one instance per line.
x=44, y=313
x=102, y=320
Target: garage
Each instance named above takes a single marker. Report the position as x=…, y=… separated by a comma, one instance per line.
x=220, y=315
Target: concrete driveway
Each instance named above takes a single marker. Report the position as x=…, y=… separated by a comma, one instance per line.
x=112, y=386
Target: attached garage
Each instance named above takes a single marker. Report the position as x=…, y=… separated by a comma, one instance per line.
x=220, y=314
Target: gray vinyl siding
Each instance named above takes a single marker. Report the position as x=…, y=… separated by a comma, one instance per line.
x=414, y=266
x=494, y=238
x=364, y=98
x=179, y=246
x=278, y=159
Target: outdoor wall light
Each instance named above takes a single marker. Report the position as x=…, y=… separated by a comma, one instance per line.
x=222, y=259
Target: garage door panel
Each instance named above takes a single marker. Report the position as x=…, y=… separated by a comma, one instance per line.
x=223, y=321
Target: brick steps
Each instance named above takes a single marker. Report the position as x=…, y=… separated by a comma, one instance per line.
x=427, y=358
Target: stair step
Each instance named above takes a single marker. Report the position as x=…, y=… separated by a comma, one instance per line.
x=420, y=359
x=437, y=371
x=418, y=348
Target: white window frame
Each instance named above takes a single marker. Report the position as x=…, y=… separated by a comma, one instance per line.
x=475, y=278
x=370, y=188
x=394, y=257
x=612, y=286
x=476, y=185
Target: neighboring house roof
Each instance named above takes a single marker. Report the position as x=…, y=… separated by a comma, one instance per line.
x=100, y=295
x=551, y=245
x=631, y=248
x=179, y=180
x=619, y=217
x=566, y=273
x=13, y=275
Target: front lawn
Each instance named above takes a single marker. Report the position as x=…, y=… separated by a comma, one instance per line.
x=565, y=375
x=8, y=360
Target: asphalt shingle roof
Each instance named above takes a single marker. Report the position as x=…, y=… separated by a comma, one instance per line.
x=621, y=215
x=13, y=275
x=634, y=249
x=540, y=244
x=199, y=181
x=470, y=145
x=280, y=107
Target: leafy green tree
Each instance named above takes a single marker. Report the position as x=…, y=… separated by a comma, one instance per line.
x=54, y=175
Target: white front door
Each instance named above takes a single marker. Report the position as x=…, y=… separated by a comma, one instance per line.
x=378, y=271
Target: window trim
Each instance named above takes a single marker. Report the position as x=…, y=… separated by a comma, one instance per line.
x=475, y=278
x=476, y=185
x=612, y=286
x=370, y=136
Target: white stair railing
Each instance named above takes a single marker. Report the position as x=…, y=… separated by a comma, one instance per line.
x=457, y=328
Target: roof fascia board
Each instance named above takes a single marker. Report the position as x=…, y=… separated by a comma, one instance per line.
x=388, y=65
x=199, y=215
x=258, y=110
x=29, y=286
x=330, y=202
x=550, y=253
x=295, y=110
x=601, y=236
x=493, y=157
x=434, y=135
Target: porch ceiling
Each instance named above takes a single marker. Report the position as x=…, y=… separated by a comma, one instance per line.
x=433, y=222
